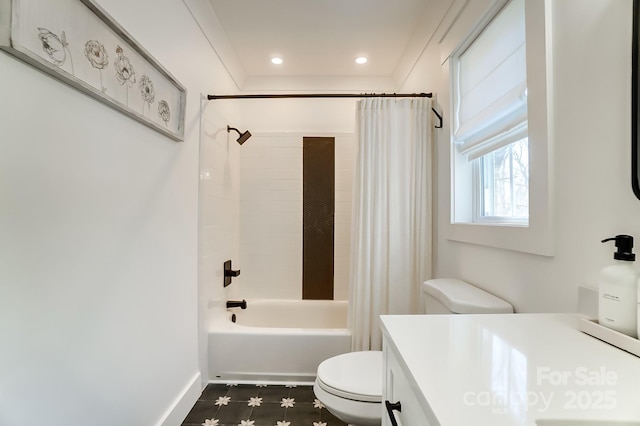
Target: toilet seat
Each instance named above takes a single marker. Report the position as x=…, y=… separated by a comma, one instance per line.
x=356, y=376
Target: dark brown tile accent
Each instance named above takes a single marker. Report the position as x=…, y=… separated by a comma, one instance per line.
x=318, y=213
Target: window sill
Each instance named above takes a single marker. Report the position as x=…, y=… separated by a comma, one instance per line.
x=499, y=221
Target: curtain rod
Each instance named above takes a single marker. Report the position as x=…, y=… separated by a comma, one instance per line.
x=332, y=95
x=324, y=95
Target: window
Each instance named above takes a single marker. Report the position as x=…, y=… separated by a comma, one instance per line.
x=501, y=68
x=503, y=177
x=490, y=120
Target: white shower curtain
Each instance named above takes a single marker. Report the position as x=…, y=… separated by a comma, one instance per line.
x=391, y=224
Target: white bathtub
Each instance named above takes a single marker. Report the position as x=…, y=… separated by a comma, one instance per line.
x=277, y=340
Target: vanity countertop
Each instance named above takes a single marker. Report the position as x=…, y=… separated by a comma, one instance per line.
x=513, y=369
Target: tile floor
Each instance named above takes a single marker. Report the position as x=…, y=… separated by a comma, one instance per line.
x=259, y=405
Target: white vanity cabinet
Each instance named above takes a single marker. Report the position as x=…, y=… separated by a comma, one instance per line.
x=498, y=370
x=399, y=397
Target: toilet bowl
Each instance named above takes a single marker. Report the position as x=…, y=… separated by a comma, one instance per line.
x=350, y=385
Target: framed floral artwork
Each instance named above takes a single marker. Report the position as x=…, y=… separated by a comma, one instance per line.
x=77, y=42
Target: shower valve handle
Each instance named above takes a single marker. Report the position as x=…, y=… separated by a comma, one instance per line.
x=231, y=273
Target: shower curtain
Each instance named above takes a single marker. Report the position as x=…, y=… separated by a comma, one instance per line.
x=391, y=224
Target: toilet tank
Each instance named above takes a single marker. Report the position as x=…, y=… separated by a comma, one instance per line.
x=452, y=296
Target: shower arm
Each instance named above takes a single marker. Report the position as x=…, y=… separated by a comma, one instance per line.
x=332, y=95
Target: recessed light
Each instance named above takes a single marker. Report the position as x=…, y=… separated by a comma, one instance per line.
x=361, y=60
x=276, y=61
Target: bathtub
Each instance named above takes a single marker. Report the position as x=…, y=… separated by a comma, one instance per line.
x=277, y=340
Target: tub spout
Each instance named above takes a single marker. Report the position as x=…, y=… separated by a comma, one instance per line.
x=237, y=304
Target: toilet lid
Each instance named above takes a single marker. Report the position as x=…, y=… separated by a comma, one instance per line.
x=354, y=375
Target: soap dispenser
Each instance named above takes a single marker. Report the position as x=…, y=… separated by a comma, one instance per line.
x=618, y=289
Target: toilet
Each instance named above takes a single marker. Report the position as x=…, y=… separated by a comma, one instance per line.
x=350, y=385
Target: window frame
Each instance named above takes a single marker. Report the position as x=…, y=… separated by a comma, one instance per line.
x=536, y=236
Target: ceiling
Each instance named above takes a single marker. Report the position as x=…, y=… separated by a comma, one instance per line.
x=318, y=39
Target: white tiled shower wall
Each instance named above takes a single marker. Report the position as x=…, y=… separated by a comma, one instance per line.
x=218, y=219
x=219, y=201
x=271, y=215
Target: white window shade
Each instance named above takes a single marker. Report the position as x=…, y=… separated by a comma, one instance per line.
x=492, y=85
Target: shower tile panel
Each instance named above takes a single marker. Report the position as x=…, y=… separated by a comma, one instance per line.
x=271, y=232
x=318, y=216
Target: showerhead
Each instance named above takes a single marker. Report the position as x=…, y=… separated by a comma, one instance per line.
x=242, y=137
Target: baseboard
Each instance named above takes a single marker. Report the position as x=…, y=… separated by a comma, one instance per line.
x=183, y=403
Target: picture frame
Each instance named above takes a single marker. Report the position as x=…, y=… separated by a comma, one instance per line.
x=79, y=43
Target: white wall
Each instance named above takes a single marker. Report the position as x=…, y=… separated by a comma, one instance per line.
x=98, y=241
x=590, y=148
